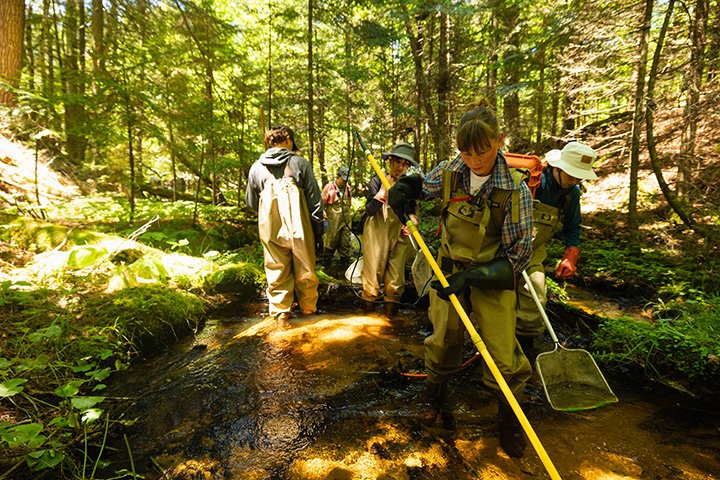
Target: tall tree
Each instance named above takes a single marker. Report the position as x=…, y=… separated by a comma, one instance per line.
x=12, y=26
x=640, y=71
x=693, y=85
x=73, y=77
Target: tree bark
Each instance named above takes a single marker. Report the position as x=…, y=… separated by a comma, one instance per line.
x=75, y=142
x=687, y=164
x=640, y=71
x=311, y=99
x=12, y=19
x=443, y=91
x=675, y=203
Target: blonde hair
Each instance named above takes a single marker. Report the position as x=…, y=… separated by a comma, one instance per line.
x=478, y=127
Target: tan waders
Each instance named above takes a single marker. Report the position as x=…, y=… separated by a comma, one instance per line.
x=471, y=235
x=385, y=252
x=529, y=321
x=337, y=235
x=287, y=237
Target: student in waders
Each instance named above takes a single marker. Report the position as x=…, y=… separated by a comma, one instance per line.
x=282, y=189
x=486, y=241
x=386, y=245
x=337, y=201
x=557, y=201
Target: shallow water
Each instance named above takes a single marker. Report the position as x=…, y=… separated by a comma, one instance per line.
x=326, y=399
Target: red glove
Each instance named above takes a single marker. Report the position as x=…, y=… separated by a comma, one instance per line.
x=568, y=263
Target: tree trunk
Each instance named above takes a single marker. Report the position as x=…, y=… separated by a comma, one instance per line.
x=45, y=64
x=98, y=36
x=30, y=50
x=270, y=67
x=509, y=16
x=421, y=79
x=443, y=91
x=687, y=164
x=12, y=19
x=675, y=203
x=713, y=53
x=75, y=142
x=311, y=99
x=540, y=102
x=640, y=72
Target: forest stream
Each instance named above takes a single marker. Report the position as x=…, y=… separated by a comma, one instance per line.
x=328, y=398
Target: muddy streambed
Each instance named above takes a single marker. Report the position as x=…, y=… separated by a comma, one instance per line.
x=325, y=399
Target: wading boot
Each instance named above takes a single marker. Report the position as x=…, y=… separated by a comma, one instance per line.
x=281, y=320
x=512, y=439
x=368, y=305
x=391, y=309
x=433, y=403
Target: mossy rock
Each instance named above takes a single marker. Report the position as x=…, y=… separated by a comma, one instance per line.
x=242, y=279
x=41, y=237
x=149, y=316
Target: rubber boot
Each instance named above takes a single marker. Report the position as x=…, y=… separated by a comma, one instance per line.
x=527, y=343
x=512, y=439
x=391, y=309
x=368, y=305
x=431, y=401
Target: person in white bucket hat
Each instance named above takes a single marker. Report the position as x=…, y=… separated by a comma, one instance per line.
x=556, y=202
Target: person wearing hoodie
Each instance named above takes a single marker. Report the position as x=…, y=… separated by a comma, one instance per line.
x=282, y=189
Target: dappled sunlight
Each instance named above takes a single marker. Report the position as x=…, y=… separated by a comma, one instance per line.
x=366, y=464
x=331, y=329
x=611, y=191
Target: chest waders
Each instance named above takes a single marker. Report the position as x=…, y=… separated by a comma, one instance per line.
x=287, y=239
x=337, y=236
x=529, y=319
x=513, y=405
x=471, y=234
x=385, y=252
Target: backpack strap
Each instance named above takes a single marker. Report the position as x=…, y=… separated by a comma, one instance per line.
x=499, y=198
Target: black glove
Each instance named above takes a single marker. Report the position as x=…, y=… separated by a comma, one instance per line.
x=403, y=194
x=496, y=274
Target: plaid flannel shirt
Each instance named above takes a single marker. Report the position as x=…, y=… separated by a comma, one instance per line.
x=516, y=238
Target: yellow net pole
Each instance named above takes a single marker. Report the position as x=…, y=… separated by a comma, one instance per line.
x=477, y=341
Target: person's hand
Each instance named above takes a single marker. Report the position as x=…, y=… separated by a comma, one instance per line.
x=402, y=195
x=497, y=274
x=568, y=264
x=405, y=229
x=381, y=195
x=457, y=282
x=319, y=245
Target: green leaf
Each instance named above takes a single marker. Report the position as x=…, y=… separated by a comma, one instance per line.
x=99, y=375
x=31, y=364
x=53, y=331
x=11, y=387
x=21, y=434
x=42, y=459
x=84, y=403
x=5, y=363
x=81, y=257
x=69, y=389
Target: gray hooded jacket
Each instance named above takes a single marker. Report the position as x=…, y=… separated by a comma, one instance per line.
x=274, y=160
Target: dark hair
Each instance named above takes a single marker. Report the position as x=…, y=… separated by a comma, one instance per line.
x=278, y=135
x=478, y=127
